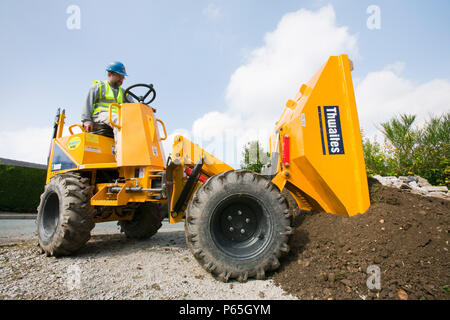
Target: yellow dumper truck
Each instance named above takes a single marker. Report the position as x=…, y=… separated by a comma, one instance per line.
x=237, y=222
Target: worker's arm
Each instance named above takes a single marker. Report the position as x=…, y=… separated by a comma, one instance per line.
x=129, y=99
x=88, y=107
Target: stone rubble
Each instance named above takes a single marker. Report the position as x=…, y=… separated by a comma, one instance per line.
x=416, y=185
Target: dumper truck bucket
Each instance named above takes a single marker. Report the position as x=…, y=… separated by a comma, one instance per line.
x=316, y=147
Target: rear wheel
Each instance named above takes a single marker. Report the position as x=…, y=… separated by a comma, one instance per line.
x=64, y=220
x=146, y=222
x=238, y=225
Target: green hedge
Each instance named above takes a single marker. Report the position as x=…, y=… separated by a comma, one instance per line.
x=20, y=188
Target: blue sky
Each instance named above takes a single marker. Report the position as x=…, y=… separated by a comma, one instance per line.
x=189, y=50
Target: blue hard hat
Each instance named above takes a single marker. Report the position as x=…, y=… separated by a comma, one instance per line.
x=117, y=67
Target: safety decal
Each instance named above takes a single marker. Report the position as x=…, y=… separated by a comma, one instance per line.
x=92, y=138
x=91, y=149
x=155, y=151
x=141, y=172
x=74, y=143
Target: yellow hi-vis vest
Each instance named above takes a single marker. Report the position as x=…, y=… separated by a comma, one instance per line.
x=106, y=97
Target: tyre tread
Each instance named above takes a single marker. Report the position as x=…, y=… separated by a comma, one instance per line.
x=195, y=211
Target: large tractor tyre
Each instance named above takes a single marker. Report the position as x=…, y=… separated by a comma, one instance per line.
x=65, y=216
x=146, y=222
x=238, y=225
x=294, y=210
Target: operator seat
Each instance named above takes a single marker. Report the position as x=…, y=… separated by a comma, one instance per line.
x=103, y=130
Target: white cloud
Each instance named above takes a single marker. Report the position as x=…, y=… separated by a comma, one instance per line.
x=29, y=144
x=384, y=94
x=292, y=53
x=258, y=90
x=301, y=43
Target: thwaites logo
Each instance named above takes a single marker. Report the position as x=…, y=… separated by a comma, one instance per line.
x=333, y=130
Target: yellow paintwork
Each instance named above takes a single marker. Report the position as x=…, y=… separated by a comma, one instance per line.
x=138, y=140
x=60, y=128
x=88, y=151
x=107, y=165
x=187, y=153
x=101, y=198
x=178, y=183
x=140, y=156
x=337, y=182
x=76, y=125
x=92, y=148
x=164, y=129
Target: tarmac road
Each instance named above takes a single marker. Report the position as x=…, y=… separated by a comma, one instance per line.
x=12, y=228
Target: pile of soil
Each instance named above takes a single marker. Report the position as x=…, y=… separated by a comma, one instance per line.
x=405, y=235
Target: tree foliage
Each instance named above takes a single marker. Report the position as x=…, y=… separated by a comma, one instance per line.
x=254, y=156
x=409, y=149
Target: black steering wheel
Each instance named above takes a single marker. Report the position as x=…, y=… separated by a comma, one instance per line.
x=141, y=99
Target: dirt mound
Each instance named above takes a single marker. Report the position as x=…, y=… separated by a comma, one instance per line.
x=403, y=234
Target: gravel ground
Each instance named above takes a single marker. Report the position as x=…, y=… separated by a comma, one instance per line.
x=111, y=266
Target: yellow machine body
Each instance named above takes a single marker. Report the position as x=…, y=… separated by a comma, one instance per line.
x=237, y=222
x=318, y=139
x=316, y=153
x=139, y=158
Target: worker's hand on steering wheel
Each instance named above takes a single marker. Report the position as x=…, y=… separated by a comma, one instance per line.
x=88, y=126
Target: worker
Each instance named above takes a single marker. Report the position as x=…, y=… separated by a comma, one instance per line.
x=95, y=113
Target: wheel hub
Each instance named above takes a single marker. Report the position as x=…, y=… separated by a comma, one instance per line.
x=50, y=218
x=238, y=223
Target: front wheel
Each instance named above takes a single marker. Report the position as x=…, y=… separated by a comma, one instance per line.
x=238, y=225
x=64, y=220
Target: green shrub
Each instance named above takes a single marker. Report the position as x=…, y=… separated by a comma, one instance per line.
x=402, y=140
x=21, y=188
x=433, y=151
x=377, y=162
x=410, y=150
